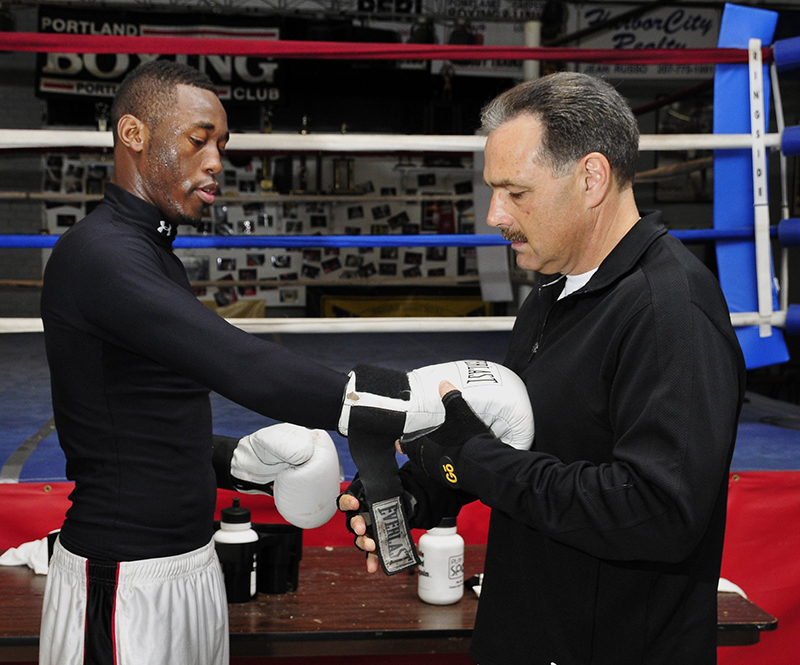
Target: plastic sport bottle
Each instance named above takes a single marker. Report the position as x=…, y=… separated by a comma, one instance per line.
x=441, y=571
x=237, y=548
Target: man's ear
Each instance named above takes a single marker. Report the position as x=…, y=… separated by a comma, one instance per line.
x=596, y=178
x=132, y=132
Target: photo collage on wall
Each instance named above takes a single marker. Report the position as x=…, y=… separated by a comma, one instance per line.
x=385, y=197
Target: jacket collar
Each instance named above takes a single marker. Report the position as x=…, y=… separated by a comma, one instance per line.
x=141, y=214
x=624, y=257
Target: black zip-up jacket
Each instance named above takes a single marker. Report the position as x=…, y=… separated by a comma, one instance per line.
x=606, y=538
x=132, y=357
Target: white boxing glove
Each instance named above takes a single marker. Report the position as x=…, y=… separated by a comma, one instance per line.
x=301, y=464
x=408, y=405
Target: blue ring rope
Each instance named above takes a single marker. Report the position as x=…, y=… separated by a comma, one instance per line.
x=433, y=240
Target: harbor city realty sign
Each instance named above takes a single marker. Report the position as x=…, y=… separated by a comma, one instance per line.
x=666, y=27
x=238, y=78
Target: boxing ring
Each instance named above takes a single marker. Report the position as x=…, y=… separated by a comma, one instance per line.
x=765, y=476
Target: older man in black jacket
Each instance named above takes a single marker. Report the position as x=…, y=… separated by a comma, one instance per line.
x=606, y=537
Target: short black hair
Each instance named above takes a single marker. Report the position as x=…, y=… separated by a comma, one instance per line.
x=149, y=91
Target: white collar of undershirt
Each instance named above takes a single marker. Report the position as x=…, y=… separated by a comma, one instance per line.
x=575, y=282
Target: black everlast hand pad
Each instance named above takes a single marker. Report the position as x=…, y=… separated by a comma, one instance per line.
x=374, y=457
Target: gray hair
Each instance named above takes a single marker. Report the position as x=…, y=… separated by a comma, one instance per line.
x=579, y=114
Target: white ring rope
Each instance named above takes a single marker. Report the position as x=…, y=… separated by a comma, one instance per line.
x=330, y=325
x=18, y=139
x=378, y=324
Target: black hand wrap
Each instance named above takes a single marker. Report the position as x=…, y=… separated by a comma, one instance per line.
x=437, y=454
x=371, y=436
x=374, y=456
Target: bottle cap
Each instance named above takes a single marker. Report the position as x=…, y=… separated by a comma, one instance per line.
x=447, y=523
x=235, y=514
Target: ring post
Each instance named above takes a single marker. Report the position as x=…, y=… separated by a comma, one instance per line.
x=734, y=196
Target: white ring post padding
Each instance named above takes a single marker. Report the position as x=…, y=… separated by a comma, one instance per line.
x=19, y=139
x=760, y=198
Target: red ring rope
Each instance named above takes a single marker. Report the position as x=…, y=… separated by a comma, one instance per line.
x=63, y=43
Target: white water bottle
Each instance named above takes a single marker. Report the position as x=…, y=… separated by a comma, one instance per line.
x=441, y=571
x=237, y=548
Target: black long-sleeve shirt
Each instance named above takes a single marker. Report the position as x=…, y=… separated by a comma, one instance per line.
x=133, y=355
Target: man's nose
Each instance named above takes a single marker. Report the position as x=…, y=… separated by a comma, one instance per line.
x=496, y=213
x=213, y=162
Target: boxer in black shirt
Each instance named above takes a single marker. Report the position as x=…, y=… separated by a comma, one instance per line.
x=133, y=355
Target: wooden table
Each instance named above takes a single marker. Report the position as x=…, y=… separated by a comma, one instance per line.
x=338, y=609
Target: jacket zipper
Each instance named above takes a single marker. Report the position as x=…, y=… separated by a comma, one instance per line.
x=535, y=347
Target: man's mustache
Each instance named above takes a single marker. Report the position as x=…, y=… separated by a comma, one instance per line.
x=513, y=235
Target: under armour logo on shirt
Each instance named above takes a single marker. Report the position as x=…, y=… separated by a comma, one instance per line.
x=164, y=227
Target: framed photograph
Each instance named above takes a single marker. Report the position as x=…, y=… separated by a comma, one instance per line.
x=331, y=265
x=248, y=275
x=438, y=217
x=224, y=229
x=413, y=258
x=426, y=180
x=288, y=296
x=367, y=270
x=466, y=223
x=281, y=261
x=309, y=272
x=398, y=220
x=353, y=261
x=436, y=253
x=381, y=211
x=464, y=187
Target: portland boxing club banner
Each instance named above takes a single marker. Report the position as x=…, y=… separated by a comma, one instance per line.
x=239, y=79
